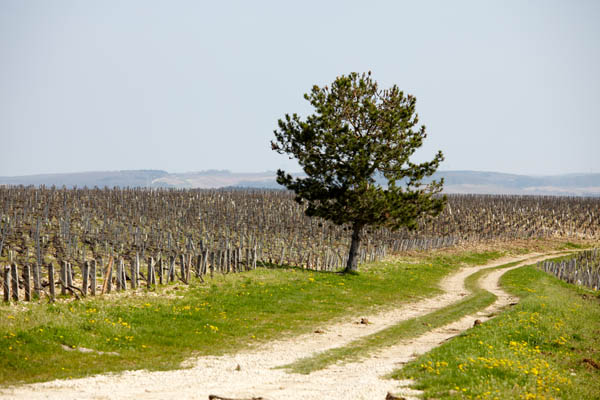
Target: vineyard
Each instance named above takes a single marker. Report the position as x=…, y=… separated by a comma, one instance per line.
x=582, y=269
x=92, y=241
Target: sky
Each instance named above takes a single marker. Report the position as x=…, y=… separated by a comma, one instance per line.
x=506, y=86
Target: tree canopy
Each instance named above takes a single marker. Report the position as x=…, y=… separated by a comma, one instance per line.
x=358, y=136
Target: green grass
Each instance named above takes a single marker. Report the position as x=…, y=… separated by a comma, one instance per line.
x=576, y=246
x=543, y=348
x=362, y=347
x=158, y=330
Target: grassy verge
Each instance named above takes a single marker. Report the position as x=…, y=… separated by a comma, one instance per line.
x=548, y=346
x=362, y=347
x=159, y=329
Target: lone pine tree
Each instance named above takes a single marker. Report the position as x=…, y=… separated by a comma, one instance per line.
x=356, y=134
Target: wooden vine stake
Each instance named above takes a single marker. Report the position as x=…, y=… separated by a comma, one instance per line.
x=188, y=268
x=171, y=274
x=92, y=274
x=14, y=272
x=6, y=283
x=123, y=275
x=69, y=275
x=85, y=273
x=63, y=278
x=106, y=285
x=27, y=282
x=160, y=271
x=51, y=282
x=133, y=280
x=182, y=268
x=136, y=272
x=150, y=277
x=37, y=286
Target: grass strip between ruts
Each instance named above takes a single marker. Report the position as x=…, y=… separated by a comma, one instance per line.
x=362, y=347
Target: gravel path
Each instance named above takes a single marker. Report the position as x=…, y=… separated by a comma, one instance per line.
x=251, y=373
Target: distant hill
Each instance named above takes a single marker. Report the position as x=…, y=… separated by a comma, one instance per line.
x=500, y=183
x=135, y=178
x=455, y=181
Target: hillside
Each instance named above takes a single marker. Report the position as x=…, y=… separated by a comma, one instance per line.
x=455, y=181
x=134, y=178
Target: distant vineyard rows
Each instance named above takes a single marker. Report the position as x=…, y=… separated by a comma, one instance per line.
x=231, y=230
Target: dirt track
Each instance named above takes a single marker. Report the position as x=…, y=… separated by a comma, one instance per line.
x=256, y=375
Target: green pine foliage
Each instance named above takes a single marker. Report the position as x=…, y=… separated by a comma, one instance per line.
x=357, y=133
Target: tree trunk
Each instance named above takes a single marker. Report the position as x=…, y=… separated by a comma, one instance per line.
x=352, y=264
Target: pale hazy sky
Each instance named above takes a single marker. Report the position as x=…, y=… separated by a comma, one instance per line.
x=508, y=86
